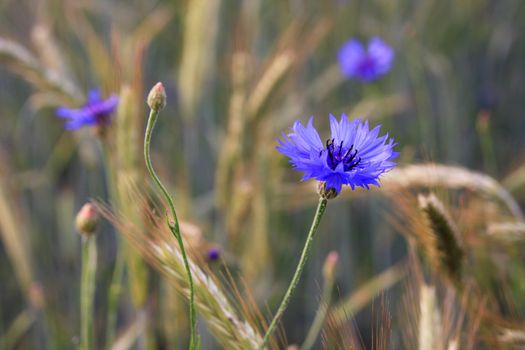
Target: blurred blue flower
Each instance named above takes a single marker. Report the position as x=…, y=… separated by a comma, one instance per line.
x=354, y=155
x=213, y=254
x=96, y=111
x=366, y=64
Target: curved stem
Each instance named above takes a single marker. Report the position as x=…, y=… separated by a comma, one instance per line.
x=174, y=227
x=298, y=271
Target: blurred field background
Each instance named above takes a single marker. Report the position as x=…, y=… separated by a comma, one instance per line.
x=237, y=73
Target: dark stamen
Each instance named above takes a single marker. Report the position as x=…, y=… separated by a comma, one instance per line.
x=352, y=157
x=336, y=155
x=356, y=163
x=348, y=152
x=330, y=149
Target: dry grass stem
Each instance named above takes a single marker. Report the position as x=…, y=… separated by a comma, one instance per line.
x=132, y=333
x=507, y=231
x=15, y=233
x=430, y=320
x=276, y=71
x=22, y=61
x=199, y=46
x=347, y=308
x=434, y=175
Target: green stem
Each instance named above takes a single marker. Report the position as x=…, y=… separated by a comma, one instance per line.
x=174, y=227
x=114, y=293
x=320, y=316
x=487, y=145
x=115, y=287
x=87, y=290
x=298, y=271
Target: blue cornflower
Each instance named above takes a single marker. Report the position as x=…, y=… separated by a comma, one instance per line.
x=96, y=111
x=366, y=64
x=354, y=155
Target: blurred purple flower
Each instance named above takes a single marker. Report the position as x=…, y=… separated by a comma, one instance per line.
x=366, y=64
x=213, y=254
x=354, y=155
x=96, y=111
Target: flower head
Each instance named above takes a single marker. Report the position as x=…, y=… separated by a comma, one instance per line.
x=96, y=111
x=354, y=155
x=157, y=97
x=87, y=219
x=366, y=64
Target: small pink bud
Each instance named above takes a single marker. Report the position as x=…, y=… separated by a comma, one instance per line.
x=87, y=220
x=36, y=295
x=157, y=97
x=483, y=120
x=330, y=265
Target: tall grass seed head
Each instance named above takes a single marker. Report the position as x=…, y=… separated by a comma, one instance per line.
x=95, y=112
x=366, y=64
x=87, y=220
x=353, y=155
x=157, y=97
x=447, y=247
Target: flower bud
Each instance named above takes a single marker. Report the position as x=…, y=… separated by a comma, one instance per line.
x=36, y=295
x=86, y=221
x=157, y=97
x=325, y=193
x=330, y=265
x=213, y=254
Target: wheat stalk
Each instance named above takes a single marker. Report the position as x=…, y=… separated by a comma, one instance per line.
x=507, y=231
x=212, y=303
x=445, y=247
x=431, y=175
x=430, y=326
x=14, y=233
x=20, y=60
x=411, y=176
x=161, y=251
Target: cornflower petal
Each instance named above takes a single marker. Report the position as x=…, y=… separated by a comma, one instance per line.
x=382, y=54
x=94, y=96
x=349, y=56
x=66, y=113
